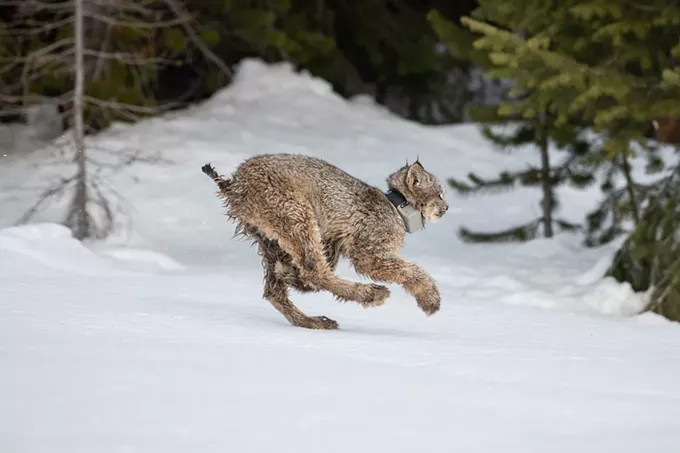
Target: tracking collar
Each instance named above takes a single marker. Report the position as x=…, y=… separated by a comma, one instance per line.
x=412, y=217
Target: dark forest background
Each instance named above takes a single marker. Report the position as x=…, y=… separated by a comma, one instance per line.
x=386, y=48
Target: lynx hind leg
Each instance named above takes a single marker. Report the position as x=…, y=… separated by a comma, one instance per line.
x=290, y=274
x=307, y=250
x=286, y=271
x=276, y=291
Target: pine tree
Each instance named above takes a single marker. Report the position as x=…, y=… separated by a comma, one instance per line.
x=570, y=170
x=579, y=29
x=650, y=257
x=612, y=64
x=538, y=127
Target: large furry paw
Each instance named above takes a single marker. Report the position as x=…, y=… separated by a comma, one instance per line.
x=321, y=323
x=429, y=301
x=374, y=296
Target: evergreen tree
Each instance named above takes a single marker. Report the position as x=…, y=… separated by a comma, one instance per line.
x=612, y=64
x=650, y=257
x=389, y=50
x=570, y=170
x=538, y=127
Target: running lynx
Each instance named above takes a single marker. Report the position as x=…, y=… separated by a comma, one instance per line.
x=305, y=214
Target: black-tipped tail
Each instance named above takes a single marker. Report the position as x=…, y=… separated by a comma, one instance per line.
x=210, y=171
x=222, y=183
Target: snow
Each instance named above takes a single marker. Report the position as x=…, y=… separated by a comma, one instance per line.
x=157, y=339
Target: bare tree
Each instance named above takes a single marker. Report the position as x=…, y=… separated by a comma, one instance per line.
x=79, y=42
x=78, y=219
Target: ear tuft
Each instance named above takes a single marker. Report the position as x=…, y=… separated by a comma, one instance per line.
x=415, y=174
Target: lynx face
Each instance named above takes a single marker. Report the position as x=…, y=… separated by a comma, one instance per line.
x=425, y=192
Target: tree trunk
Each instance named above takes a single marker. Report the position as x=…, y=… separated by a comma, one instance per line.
x=80, y=221
x=630, y=188
x=546, y=184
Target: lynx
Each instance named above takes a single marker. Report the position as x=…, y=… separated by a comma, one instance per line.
x=305, y=214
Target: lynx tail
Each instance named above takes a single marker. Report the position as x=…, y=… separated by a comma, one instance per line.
x=222, y=183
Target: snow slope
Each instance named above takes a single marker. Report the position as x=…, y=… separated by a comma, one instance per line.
x=157, y=339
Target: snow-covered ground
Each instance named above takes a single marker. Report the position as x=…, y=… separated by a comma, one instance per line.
x=157, y=339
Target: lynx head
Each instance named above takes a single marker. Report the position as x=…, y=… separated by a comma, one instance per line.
x=421, y=189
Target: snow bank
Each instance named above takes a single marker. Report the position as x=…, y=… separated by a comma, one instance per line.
x=48, y=246
x=31, y=248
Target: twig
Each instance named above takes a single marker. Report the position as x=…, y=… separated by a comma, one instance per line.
x=179, y=10
x=37, y=5
x=127, y=58
x=99, y=66
x=44, y=197
x=134, y=24
x=34, y=97
x=129, y=107
x=37, y=30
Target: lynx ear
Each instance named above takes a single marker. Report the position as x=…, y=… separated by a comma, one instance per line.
x=415, y=174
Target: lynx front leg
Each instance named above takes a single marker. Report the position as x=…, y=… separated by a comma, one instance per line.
x=314, y=263
x=395, y=270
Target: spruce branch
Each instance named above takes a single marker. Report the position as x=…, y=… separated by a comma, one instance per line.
x=518, y=233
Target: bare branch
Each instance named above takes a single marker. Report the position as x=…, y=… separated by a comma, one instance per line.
x=37, y=30
x=180, y=11
x=132, y=6
x=11, y=112
x=131, y=157
x=99, y=66
x=35, y=75
x=35, y=98
x=50, y=48
x=47, y=50
x=129, y=107
x=156, y=158
x=105, y=204
x=134, y=24
x=127, y=58
x=132, y=117
x=37, y=5
x=49, y=193
x=121, y=6
x=14, y=61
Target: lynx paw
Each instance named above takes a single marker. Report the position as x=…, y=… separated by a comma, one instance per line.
x=321, y=323
x=429, y=301
x=375, y=295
